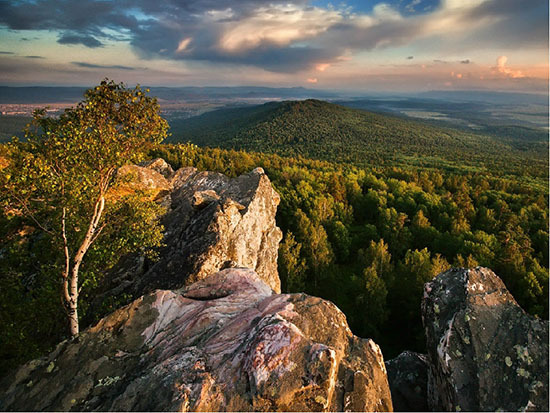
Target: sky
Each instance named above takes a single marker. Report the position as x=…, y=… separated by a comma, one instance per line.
x=369, y=45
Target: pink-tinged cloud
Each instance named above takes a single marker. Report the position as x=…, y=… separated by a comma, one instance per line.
x=501, y=68
x=278, y=25
x=312, y=80
x=183, y=44
x=321, y=67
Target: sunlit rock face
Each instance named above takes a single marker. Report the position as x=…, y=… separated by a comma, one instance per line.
x=486, y=353
x=227, y=342
x=212, y=222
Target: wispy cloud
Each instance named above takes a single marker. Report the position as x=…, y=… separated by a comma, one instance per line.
x=77, y=38
x=96, y=66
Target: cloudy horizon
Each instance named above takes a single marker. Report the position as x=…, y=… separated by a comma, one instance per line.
x=397, y=45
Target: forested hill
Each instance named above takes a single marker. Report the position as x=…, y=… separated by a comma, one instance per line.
x=322, y=130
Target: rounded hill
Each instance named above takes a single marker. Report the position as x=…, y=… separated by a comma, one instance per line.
x=323, y=130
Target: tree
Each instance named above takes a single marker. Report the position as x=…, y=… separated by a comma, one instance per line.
x=376, y=280
x=291, y=266
x=63, y=179
x=315, y=244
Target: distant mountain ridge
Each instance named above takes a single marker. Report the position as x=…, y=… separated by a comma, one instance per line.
x=49, y=94
x=322, y=130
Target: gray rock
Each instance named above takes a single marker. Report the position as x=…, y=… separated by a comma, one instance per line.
x=137, y=177
x=225, y=343
x=408, y=379
x=486, y=352
x=203, y=198
x=159, y=165
x=213, y=222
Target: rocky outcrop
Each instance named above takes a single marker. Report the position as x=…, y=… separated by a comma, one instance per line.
x=486, y=352
x=226, y=342
x=408, y=379
x=212, y=222
x=159, y=165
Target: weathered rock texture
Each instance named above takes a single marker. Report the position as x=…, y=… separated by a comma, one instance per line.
x=226, y=342
x=213, y=222
x=408, y=379
x=486, y=352
x=159, y=165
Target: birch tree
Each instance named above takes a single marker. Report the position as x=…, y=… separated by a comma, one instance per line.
x=62, y=179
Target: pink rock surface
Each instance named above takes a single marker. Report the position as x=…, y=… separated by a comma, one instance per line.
x=225, y=343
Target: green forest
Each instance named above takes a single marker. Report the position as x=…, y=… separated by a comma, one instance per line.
x=371, y=209
x=322, y=130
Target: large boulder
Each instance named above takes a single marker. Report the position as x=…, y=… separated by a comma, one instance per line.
x=486, y=352
x=147, y=180
x=159, y=165
x=212, y=222
x=224, y=343
x=408, y=379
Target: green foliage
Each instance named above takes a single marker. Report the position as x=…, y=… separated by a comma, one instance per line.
x=377, y=278
x=321, y=130
x=369, y=238
x=291, y=265
x=61, y=205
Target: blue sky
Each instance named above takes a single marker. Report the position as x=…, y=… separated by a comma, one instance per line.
x=360, y=45
x=407, y=7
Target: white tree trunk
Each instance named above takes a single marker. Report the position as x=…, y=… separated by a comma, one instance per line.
x=70, y=281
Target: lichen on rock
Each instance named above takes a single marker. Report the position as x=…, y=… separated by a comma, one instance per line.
x=224, y=343
x=486, y=353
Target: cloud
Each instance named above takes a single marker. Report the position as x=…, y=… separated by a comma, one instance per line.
x=321, y=67
x=75, y=38
x=504, y=70
x=183, y=44
x=411, y=6
x=410, y=57
x=279, y=25
x=312, y=80
x=513, y=23
x=278, y=35
x=275, y=37
x=2, y=52
x=95, y=66
x=34, y=57
x=465, y=62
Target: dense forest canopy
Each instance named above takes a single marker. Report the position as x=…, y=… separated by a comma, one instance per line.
x=322, y=130
x=387, y=205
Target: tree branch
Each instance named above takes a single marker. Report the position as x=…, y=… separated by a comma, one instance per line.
x=97, y=233
x=23, y=203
